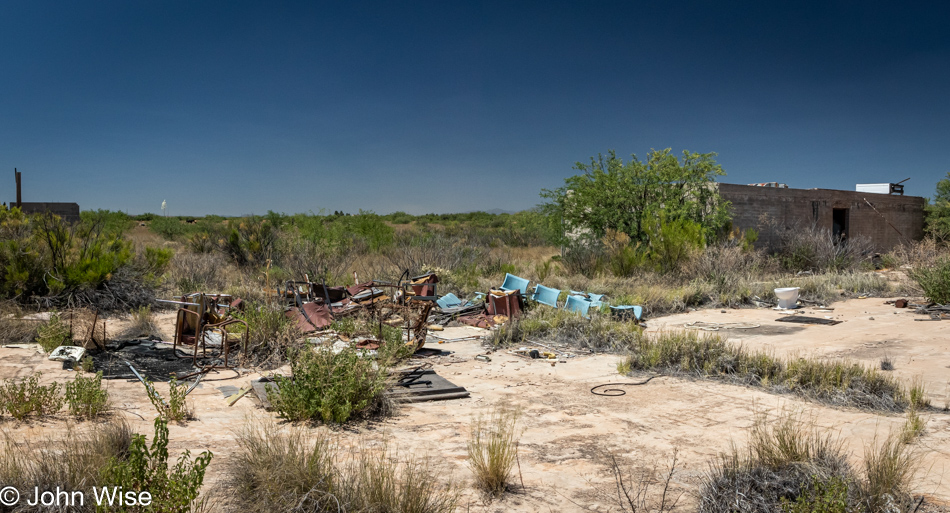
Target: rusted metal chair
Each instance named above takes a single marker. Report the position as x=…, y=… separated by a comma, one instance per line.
x=203, y=315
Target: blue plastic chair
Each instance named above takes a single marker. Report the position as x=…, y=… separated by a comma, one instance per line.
x=448, y=301
x=577, y=304
x=513, y=282
x=625, y=311
x=595, y=300
x=546, y=295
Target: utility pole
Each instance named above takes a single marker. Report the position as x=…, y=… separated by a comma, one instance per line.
x=19, y=195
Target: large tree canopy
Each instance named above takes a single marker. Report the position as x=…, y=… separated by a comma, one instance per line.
x=614, y=195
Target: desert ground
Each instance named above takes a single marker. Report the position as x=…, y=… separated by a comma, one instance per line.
x=566, y=430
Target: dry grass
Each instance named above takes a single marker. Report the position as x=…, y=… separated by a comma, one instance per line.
x=711, y=356
x=294, y=470
x=72, y=463
x=789, y=461
x=142, y=324
x=493, y=450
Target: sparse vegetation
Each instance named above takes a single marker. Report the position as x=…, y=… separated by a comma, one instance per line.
x=330, y=385
x=493, y=450
x=26, y=397
x=835, y=382
x=790, y=465
x=74, y=462
x=53, y=333
x=173, y=489
x=85, y=396
x=934, y=280
x=285, y=470
x=176, y=409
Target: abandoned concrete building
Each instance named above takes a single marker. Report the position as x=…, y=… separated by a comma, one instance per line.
x=68, y=211
x=886, y=219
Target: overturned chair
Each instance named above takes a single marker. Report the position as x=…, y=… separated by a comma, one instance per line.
x=203, y=320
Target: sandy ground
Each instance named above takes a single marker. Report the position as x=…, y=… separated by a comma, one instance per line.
x=566, y=429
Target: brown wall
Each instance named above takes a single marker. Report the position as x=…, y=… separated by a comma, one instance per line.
x=792, y=209
x=68, y=211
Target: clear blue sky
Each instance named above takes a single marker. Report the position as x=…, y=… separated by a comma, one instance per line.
x=243, y=107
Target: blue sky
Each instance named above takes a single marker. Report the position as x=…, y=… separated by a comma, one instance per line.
x=243, y=107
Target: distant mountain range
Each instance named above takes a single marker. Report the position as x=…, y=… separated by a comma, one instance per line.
x=494, y=211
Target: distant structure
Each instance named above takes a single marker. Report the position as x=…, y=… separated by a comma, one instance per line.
x=879, y=212
x=68, y=211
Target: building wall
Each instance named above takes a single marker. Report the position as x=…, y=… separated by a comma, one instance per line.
x=68, y=211
x=772, y=211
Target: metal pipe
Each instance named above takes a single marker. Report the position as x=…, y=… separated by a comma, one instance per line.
x=147, y=386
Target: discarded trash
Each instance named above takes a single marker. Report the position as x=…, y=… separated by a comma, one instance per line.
x=67, y=354
x=801, y=319
x=237, y=397
x=900, y=303
x=787, y=297
x=716, y=326
x=483, y=358
x=423, y=384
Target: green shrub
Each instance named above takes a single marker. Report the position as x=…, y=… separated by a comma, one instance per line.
x=25, y=397
x=934, y=280
x=85, y=397
x=176, y=409
x=329, y=386
x=823, y=496
x=673, y=242
x=173, y=490
x=53, y=333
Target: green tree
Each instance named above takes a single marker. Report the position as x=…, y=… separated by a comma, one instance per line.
x=611, y=194
x=938, y=213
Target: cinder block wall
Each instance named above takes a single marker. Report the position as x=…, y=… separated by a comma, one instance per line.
x=68, y=211
x=795, y=209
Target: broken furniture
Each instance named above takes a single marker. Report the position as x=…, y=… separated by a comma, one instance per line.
x=545, y=295
x=627, y=312
x=513, y=282
x=205, y=319
x=577, y=304
x=509, y=303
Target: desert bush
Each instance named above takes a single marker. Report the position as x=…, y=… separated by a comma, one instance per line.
x=835, y=382
x=74, y=462
x=146, y=469
x=329, y=386
x=673, y=242
x=142, y=324
x=934, y=280
x=250, y=241
x=24, y=397
x=890, y=467
x=633, y=490
x=53, y=333
x=14, y=329
x=817, y=249
x=85, y=397
x=493, y=450
x=271, y=335
x=288, y=471
x=194, y=272
x=786, y=459
x=176, y=409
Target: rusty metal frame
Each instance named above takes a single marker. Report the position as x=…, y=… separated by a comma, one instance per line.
x=206, y=304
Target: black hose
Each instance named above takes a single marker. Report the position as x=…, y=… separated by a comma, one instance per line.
x=616, y=392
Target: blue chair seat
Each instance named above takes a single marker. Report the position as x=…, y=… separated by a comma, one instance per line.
x=513, y=282
x=595, y=300
x=578, y=304
x=546, y=295
x=448, y=301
